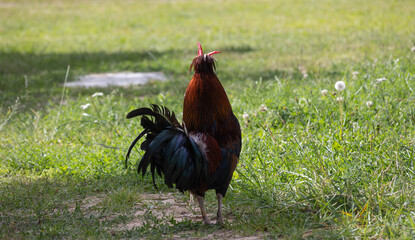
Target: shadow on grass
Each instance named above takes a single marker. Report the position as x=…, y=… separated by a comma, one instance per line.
x=45, y=73
x=54, y=207
x=275, y=218
x=51, y=207
x=16, y=63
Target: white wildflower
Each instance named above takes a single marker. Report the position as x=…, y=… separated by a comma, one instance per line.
x=379, y=80
x=324, y=92
x=263, y=108
x=355, y=125
x=340, y=99
x=97, y=94
x=369, y=103
x=354, y=74
x=86, y=114
x=340, y=85
x=85, y=106
x=302, y=100
x=245, y=116
x=413, y=49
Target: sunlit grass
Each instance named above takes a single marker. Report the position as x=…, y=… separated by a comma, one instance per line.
x=302, y=160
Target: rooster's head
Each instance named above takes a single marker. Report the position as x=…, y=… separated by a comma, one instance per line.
x=203, y=63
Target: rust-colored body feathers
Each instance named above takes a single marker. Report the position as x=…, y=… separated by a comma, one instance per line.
x=207, y=110
x=203, y=152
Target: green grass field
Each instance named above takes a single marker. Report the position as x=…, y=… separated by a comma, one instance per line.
x=311, y=167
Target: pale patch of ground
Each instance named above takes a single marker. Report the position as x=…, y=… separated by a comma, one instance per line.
x=87, y=203
x=164, y=206
x=123, y=79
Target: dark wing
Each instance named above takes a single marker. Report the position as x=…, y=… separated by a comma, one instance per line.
x=230, y=151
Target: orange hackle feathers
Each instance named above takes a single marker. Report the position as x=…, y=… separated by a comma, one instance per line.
x=206, y=107
x=205, y=99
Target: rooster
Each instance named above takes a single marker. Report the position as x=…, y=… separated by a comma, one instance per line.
x=201, y=153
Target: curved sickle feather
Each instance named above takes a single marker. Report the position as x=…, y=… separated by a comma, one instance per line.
x=132, y=145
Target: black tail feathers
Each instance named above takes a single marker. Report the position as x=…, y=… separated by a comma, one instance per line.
x=168, y=149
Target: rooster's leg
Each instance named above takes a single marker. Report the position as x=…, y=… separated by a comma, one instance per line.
x=219, y=219
x=201, y=202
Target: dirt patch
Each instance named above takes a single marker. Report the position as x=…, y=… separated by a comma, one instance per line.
x=165, y=208
x=86, y=204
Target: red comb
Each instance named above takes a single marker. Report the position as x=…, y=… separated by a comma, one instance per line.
x=200, y=50
x=214, y=52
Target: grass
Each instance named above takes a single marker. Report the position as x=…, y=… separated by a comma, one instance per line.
x=305, y=163
x=303, y=172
